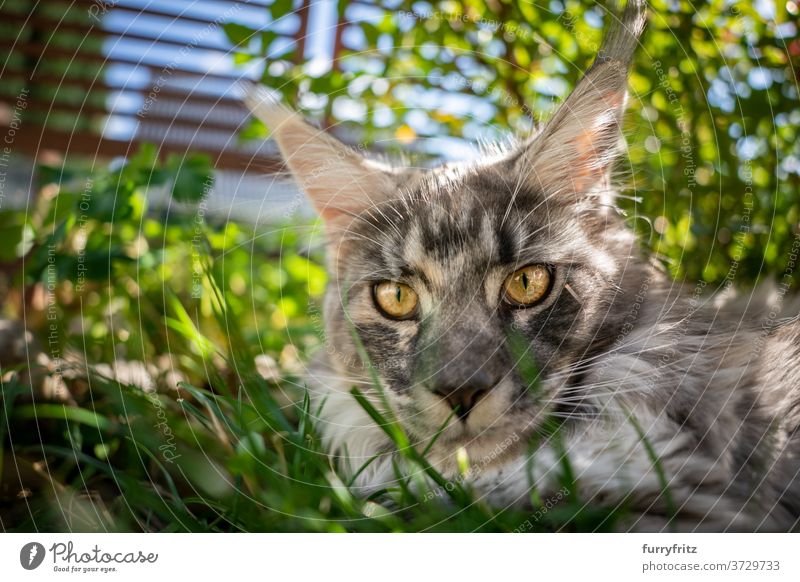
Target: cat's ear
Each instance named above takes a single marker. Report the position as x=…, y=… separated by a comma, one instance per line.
x=577, y=147
x=339, y=181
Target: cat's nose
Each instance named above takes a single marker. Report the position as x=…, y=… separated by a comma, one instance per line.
x=462, y=397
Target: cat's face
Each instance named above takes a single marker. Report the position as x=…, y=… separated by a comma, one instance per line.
x=436, y=284
x=435, y=271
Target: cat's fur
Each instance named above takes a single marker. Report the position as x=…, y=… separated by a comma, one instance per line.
x=713, y=383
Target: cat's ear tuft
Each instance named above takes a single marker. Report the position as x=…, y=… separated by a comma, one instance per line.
x=339, y=181
x=578, y=146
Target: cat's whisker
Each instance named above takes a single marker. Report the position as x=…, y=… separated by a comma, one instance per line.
x=517, y=188
x=576, y=415
x=339, y=380
x=625, y=348
x=593, y=391
x=568, y=287
x=654, y=371
x=364, y=238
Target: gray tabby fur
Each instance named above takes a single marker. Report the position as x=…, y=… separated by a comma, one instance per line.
x=711, y=380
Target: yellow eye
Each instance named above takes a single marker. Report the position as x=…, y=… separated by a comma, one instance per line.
x=527, y=285
x=395, y=300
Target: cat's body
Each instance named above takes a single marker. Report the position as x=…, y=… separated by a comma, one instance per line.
x=634, y=366
x=717, y=397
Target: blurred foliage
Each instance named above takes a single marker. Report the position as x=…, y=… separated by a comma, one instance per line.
x=121, y=270
x=111, y=261
x=712, y=124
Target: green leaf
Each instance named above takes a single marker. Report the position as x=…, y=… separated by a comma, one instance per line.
x=238, y=34
x=192, y=177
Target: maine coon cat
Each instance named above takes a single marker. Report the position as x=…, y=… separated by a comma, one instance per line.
x=434, y=270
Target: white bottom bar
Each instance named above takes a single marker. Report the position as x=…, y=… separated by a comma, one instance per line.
x=400, y=557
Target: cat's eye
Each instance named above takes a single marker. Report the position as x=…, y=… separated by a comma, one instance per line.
x=527, y=286
x=395, y=300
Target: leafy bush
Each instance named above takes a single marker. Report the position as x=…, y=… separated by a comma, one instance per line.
x=712, y=121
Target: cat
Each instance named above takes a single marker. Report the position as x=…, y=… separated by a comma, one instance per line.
x=433, y=271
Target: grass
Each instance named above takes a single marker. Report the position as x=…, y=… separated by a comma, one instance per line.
x=225, y=450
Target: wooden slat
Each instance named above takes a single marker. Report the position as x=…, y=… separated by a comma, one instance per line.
x=148, y=10
x=177, y=121
x=82, y=57
x=35, y=140
x=97, y=8
x=301, y=34
x=180, y=118
x=93, y=31
x=55, y=82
